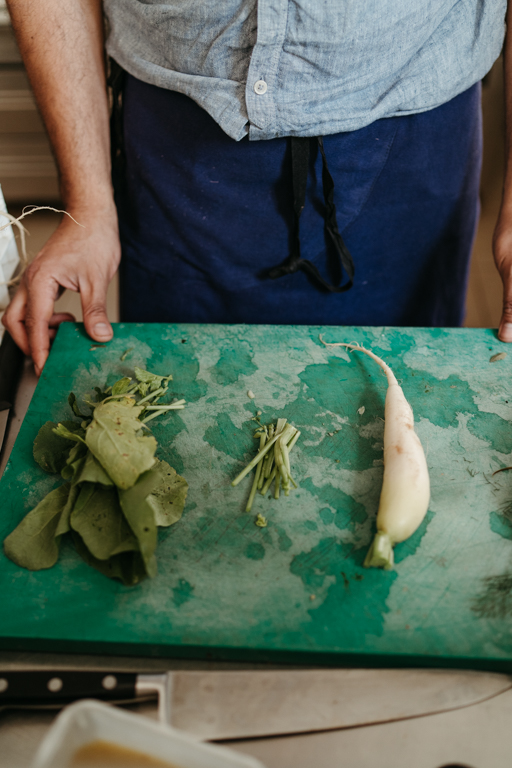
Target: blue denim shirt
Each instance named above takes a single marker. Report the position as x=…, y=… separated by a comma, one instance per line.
x=272, y=68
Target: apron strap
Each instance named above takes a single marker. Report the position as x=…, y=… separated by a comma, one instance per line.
x=300, y=147
x=115, y=83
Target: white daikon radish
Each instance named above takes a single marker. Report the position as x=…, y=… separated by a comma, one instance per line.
x=405, y=490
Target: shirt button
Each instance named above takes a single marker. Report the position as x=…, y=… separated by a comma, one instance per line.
x=260, y=87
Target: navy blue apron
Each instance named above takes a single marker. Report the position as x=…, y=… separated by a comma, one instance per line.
x=205, y=220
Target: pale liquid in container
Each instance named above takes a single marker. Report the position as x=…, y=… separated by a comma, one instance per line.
x=104, y=754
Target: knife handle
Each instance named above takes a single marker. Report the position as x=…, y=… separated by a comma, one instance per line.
x=11, y=363
x=59, y=687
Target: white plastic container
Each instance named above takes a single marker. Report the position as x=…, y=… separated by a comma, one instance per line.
x=89, y=721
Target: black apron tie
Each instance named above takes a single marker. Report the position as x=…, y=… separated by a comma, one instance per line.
x=300, y=147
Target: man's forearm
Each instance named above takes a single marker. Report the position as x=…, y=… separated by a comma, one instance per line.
x=502, y=241
x=507, y=71
x=61, y=42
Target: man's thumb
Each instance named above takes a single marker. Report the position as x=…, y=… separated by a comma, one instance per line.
x=96, y=321
x=505, y=329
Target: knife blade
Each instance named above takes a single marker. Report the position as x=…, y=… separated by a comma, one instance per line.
x=472, y=737
x=11, y=363
x=240, y=704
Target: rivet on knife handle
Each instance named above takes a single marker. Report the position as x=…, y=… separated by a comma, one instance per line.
x=32, y=688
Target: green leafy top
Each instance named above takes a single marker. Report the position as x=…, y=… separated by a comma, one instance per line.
x=113, y=437
x=151, y=378
x=122, y=386
x=51, y=449
x=116, y=493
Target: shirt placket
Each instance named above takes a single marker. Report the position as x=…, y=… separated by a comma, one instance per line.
x=260, y=91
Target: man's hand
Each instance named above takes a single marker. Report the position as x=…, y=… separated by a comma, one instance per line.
x=82, y=259
x=502, y=246
x=502, y=241
x=61, y=42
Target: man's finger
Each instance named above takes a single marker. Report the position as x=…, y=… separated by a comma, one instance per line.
x=14, y=319
x=94, y=299
x=61, y=317
x=56, y=320
x=505, y=329
x=41, y=298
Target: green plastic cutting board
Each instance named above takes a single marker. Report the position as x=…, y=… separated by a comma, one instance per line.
x=295, y=590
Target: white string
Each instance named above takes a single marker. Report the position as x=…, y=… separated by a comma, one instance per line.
x=24, y=232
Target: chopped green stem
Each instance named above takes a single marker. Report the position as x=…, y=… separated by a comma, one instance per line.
x=265, y=459
x=380, y=554
x=281, y=467
x=281, y=455
x=61, y=431
x=116, y=397
x=286, y=456
x=268, y=461
x=280, y=426
x=151, y=416
x=286, y=466
x=152, y=395
x=272, y=461
x=157, y=394
x=126, y=353
x=179, y=404
x=159, y=411
x=268, y=483
x=261, y=478
x=263, y=438
x=263, y=464
x=288, y=433
x=293, y=440
x=254, y=488
x=255, y=461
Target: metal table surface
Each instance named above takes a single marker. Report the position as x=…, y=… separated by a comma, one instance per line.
x=476, y=736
